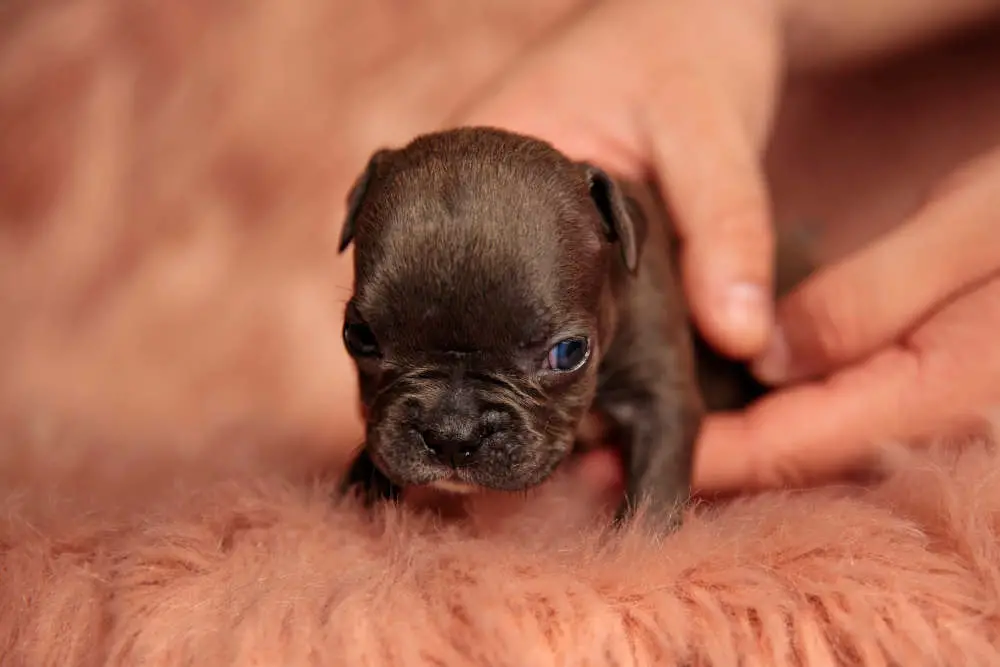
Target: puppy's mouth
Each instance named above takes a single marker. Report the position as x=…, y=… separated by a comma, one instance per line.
x=491, y=442
x=454, y=485
x=592, y=433
x=453, y=480
x=511, y=465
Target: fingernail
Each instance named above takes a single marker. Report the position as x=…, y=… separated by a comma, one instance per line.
x=773, y=365
x=746, y=308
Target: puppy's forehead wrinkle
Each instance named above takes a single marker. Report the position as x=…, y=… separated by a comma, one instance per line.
x=470, y=317
x=477, y=242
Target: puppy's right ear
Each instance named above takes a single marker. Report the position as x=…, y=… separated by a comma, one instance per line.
x=621, y=224
x=356, y=197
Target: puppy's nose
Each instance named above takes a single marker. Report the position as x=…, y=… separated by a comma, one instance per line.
x=452, y=448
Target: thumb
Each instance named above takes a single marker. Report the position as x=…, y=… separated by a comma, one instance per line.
x=707, y=164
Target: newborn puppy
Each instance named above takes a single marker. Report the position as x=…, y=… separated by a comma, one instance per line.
x=502, y=292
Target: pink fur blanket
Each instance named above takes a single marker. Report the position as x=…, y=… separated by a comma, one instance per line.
x=270, y=572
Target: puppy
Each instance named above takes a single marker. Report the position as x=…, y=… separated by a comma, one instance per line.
x=503, y=292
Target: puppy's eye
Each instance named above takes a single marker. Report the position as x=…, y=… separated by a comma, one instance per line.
x=568, y=355
x=360, y=340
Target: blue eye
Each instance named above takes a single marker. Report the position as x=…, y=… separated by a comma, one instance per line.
x=568, y=355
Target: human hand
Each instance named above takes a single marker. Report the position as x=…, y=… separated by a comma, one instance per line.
x=895, y=342
x=682, y=93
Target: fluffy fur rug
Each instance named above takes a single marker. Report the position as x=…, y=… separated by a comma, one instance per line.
x=239, y=572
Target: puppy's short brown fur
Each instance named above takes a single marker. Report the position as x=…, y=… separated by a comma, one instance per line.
x=502, y=292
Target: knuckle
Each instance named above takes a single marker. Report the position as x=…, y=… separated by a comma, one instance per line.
x=743, y=215
x=768, y=465
x=775, y=473
x=741, y=235
x=824, y=325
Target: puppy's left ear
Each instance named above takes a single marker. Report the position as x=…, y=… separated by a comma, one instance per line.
x=356, y=197
x=619, y=219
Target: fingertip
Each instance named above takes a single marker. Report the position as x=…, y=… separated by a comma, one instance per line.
x=599, y=469
x=734, y=314
x=745, y=314
x=720, y=461
x=773, y=366
x=719, y=202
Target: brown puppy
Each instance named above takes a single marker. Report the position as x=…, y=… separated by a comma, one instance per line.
x=503, y=291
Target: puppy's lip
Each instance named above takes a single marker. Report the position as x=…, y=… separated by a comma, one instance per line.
x=454, y=485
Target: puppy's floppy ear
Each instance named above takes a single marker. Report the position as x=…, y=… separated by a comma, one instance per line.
x=619, y=219
x=356, y=197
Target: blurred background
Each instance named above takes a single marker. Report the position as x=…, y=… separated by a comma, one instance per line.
x=173, y=175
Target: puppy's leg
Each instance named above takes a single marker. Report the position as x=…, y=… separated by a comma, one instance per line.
x=365, y=477
x=658, y=466
x=657, y=419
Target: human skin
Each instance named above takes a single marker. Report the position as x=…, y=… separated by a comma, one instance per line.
x=895, y=342
x=688, y=99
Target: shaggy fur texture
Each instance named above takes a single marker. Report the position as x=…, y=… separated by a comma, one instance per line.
x=239, y=572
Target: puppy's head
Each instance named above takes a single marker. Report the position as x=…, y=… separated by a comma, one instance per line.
x=484, y=264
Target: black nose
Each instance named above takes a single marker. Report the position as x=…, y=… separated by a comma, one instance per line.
x=453, y=449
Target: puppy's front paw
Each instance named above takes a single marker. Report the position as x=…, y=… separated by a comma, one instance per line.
x=370, y=483
x=659, y=516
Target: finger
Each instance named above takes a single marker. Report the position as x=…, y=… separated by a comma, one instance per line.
x=806, y=433
x=947, y=375
x=872, y=297
x=709, y=168
x=692, y=135
x=601, y=471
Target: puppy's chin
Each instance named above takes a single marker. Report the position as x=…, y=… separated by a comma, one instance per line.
x=403, y=458
x=456, y=487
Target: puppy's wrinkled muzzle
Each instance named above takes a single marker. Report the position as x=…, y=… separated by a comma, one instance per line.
x=428, y=430
x=455, y=449
x=456, y=430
